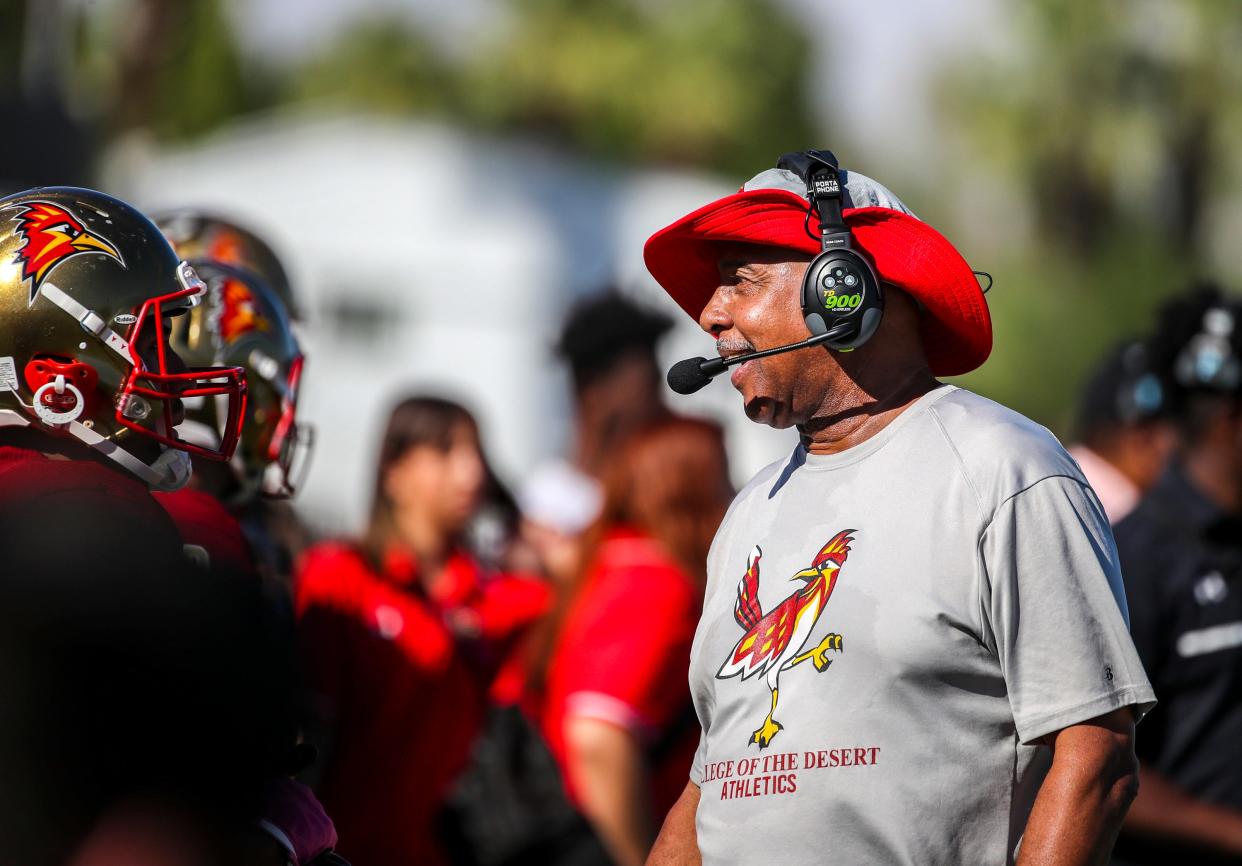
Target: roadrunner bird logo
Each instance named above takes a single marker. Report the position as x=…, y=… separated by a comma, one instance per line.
x=239, y=314
x=774, y=641
x=50, y=235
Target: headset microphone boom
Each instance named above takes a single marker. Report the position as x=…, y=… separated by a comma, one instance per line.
x=688, y=376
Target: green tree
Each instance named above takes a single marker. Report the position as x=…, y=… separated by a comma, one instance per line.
x=714, y=83
x=379, y=65
x=1115, y=118
x=1116, y=115
x=710, y=82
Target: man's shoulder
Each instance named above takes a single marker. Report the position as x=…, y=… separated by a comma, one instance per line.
x=1000, y=451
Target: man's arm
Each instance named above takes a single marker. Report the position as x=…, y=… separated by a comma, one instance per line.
x=678, y=843
x=1162, y=809
x=1083, y=799
x=609, y=773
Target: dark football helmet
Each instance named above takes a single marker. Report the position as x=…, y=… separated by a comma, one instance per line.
x=242, y=322
x=88, y=287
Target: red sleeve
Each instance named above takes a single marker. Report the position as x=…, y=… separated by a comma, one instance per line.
x=628, y=654
x=509, y=604
x=325, y=607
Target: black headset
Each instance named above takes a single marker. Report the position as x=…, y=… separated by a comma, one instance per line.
x=841, y=295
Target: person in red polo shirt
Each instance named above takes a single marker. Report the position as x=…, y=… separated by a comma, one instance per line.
x=401, y=636
x=616, y=707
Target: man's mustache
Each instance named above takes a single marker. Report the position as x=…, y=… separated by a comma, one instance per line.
x=734, y=346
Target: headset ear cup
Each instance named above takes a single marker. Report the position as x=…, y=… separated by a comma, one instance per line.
x=829, y=301
x=812, y=312
x=868, y=325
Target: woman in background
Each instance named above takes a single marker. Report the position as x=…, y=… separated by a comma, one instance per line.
x=611, y=677
x=401, y=636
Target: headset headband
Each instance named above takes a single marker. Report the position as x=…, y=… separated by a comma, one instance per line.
x=818, y=168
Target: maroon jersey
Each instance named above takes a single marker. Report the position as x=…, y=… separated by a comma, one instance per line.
x=203, y=521
x=72, y=512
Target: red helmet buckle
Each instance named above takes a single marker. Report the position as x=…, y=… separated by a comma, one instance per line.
x=64, y=389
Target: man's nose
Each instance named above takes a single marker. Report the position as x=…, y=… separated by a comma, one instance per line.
x=715, y=318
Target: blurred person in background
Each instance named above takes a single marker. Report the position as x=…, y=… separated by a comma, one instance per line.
x=1181, y=554
x=609, y=343
x=611, y=671
x=1123, y=428
x=241, y=323
x=246, y=320
x=913, y=646
x=402, y=634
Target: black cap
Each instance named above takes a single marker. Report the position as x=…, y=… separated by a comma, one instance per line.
x=602, y=328
x=1127, y=386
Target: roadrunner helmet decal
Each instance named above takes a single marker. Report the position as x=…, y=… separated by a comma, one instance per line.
x=51, y=234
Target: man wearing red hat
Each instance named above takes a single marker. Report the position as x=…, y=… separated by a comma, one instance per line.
x=914, y=644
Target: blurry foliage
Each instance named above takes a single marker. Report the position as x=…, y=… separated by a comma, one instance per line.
x=377, y=65
x=199, y=79
x=712, y=83
x=1112, y=113
x=169, y=67
x=1115, y=118
x=715, y=83
x=1053, y=318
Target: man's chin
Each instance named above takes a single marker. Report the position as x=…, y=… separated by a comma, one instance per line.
x=764, y=410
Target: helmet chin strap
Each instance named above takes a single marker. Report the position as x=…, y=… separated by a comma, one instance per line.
x=171, y=470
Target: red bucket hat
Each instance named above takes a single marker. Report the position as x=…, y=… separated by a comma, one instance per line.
x=907, y=253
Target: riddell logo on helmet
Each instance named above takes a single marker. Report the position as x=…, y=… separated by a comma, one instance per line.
x=51, y=234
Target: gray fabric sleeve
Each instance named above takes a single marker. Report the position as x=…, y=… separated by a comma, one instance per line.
x=697, y=766
x=1055, y=605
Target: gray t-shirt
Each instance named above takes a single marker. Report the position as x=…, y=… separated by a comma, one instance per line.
x=887, y=631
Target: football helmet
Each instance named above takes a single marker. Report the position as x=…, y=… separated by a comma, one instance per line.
x=198, y=235
x=87, y=288
x=242, y=322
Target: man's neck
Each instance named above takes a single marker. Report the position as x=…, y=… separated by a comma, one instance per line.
x=851, y=413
